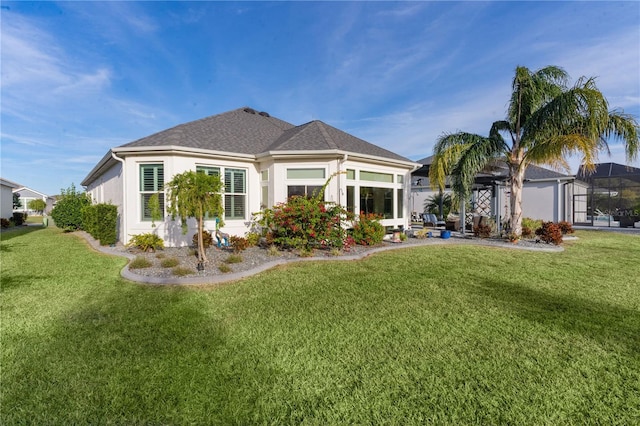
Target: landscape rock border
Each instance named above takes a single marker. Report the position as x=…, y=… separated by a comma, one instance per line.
x=364, y=252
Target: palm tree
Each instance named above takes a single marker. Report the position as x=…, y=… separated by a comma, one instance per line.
x=546, y=122
x=437, y=202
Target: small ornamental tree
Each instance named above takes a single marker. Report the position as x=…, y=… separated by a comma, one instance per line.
x=67, y=214
x=195, y=194
x=37, y=205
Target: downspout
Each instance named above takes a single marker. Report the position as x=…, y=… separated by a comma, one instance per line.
x=345, y=157
x=124, y=196
x=559, y=201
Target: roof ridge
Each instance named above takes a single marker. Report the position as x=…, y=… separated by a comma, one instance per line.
x=321, y=125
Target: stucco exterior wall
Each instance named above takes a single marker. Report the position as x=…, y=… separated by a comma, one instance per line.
x=6, y=202
x=108, y=188
x=276, y=183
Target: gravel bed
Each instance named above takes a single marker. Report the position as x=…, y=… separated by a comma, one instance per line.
x=257, y=258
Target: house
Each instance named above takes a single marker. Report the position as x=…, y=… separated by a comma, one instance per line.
x=6, y=198
x=27, y=195
x=611, y=196
x=262, y=160
x=546, y=194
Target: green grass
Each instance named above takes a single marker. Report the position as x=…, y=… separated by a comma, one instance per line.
x=443, y=334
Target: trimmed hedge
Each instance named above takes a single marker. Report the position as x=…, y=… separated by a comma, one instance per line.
x=67, y=213
x=101, y=221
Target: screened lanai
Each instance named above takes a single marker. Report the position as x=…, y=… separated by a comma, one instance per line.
x=610, y=196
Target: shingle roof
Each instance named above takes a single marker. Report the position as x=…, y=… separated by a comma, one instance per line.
x=533, y=172
x=246, y=131
x=242, y=131
x=605, y=170
x=319, y=136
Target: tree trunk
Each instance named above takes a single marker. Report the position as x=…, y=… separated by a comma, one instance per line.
x=516, y=181
x=202, y=255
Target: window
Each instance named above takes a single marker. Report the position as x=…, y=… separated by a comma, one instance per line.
x=351, y=174
x=208, y=170
x=264, y=175
x=304, y=190
x=376, y=177
x=264, y=197
x=376, y=200
x=400, y=203
x=305, y=173
x=235, y=194
x=351, y=199
x=400, y=179
x=151, y=182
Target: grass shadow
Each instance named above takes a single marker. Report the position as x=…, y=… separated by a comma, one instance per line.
x=602, y=322
x=11, y=233
x=138, y=355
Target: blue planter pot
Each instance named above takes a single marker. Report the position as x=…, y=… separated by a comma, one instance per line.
x=445, y=234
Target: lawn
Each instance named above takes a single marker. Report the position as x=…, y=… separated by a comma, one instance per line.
x=444, y=334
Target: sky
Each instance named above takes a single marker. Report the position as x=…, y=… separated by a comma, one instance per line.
x=78, y=78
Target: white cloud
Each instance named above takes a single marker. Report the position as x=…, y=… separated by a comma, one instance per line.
x=37, y=71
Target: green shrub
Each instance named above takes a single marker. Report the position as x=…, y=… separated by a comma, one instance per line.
x=532, y=224
x=101, y=221
x=181, y=271
x=19, y=218
x=550, y=233
x=67, y=213
x=273, y=251
x=139, y=262
x=207, y=239
x=224, y=268
x=146, y=242
x=368, y=230
x=5, y=223
x=169, y=262
x=252, y=239
x=233, y=258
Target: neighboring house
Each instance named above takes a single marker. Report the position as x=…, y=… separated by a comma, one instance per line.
x=262, y=161
x=611, y=196
x=6, y=198
x=546, y=194
x=27, y=195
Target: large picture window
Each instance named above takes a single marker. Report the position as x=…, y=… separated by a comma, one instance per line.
x=304, y=191
x=151, y=182
x=235, y=194
x=377, y=200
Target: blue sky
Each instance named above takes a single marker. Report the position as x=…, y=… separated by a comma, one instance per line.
x=81, y=77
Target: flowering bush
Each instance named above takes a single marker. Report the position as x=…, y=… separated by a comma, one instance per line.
x=305, y=223
x=368, y=230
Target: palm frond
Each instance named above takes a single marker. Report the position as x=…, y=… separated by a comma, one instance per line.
x=533, y=90
x=624, y=127
x=446, y=151
x=480, y=152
